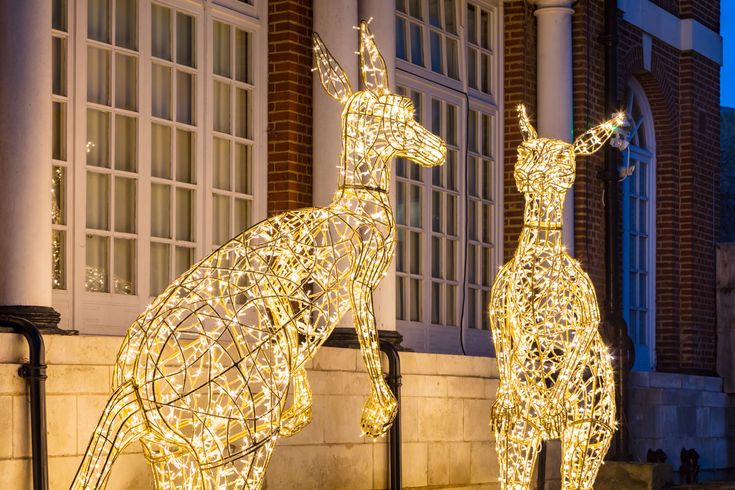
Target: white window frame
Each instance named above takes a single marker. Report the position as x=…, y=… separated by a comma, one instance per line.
x=645, y=353
x=112, y=314
x=423, y=336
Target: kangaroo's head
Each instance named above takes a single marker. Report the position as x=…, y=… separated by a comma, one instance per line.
x=547, y=165
x=376, y=123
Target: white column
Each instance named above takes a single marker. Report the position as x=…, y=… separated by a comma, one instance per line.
x=334, y=22
x=25, y=152
x=554, y=51
x=383, y=27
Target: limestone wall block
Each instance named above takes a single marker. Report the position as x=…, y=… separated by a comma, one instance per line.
x=346, y=466
x=342, y=419
x=62, y=470
x=415, y=461
x=459, y=458
x=440, y=419
x=82, y=349
x=13, y=471
x=75, y=379
x=61, y=420
x=339, y=383
x=21, y=428
x=418, y=363
x=483, y=462
x=465, y=387
x=10, y=382
x=380, y=465
x=476, y=420
x=423, y=385
x=131, y=472
x=438, y=463
x=336, y=359
x=6, y=426
x=410, y=418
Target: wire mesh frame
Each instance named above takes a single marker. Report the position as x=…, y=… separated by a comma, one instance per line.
x=556, y=375
x=203, y=376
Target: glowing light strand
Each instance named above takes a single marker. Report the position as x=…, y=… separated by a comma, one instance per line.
x=556, y=375
x=203, y=376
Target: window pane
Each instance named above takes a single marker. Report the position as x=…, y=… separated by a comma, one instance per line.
x=401, y=250
x=417, y=55
x=97, y=264
x=451, y=211
x=58, y=68
x=400, y=298
x=451, y=170
x=450, y=16
x=161, y=211
x=471, y=67
x=242, y=56
x=401, y=203
x=436, y=117
x=184, y=259
x=242, y=113
x=436, y=300
x=58, y=15
x=242, y=168
x=472, y=264
x=487, y=179
x=126, y=82
x=161, y=91
x=222, y=107
x=58, y=130
x=415, y=252
x=485, y=73
x=58, y=259
x=242, y=215
x=451, y=305
x=472, y=169
x=160, y=151
x=414, y=8
x=185, y=39
x=161, y=32
x=125, y=204
x=415, y=300
x=436, y=257
x=185, y=157
x=58, y=195
x=452, y=58
x=487, y=267
x=98, y=20
x=98, y=75
x=160, y=269
x=436, y=211
x=416, y=207
x=484, y=30
x=185, y=97
x=434, y=14
x=222, y=49
x=472, y=219
x=471, y=24
x=126, y=146
x=98, y=138
x=220, y=219
x=221, y=177
x=451, y=260
x=124, y=266
x=401, y=39
x=471, y=308
x=436, y=52
x=185, y=215
x=98, y=201
x=451, y=132
x=126, y=23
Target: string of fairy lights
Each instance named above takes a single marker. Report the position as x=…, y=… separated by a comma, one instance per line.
x=212, y=374
x=556, y=375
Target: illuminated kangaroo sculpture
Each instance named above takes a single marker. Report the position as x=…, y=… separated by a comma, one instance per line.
x=203, y=375
x=556, y=377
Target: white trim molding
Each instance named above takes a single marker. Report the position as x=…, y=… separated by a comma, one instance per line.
x=682, y=34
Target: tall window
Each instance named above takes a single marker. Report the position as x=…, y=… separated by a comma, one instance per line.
x=639, y=232
x=449, y=218
x=163, y=109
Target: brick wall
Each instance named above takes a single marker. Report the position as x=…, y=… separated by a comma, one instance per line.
x=289, y=104
x=520, y=87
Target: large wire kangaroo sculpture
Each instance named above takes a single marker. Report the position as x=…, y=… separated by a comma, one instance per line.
x=556, y=376
x=203, y=375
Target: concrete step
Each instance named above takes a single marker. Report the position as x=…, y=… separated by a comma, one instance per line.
x=710, y=485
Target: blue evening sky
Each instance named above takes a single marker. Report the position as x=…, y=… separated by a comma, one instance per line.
x=727, y=75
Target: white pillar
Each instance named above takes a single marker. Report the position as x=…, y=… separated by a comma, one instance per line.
x=334, y=22
x=554, y=52
x=383, y=28
x=25, y=152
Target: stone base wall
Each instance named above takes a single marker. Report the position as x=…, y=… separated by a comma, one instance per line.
x=674, y=411
x=445, y=413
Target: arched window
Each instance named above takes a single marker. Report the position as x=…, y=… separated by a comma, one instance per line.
x=639, y=230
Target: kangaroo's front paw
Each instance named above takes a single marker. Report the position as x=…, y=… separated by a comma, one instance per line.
x=377, y=416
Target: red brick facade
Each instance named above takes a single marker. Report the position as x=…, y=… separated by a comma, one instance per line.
x=683, y=91
x=289, y=104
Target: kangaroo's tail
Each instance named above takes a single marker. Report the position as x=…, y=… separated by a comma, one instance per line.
x=121, y=423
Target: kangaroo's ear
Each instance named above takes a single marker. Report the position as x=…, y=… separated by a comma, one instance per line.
x=593, y=139
x=372, y=64
x=526, y=127
x=333, y=77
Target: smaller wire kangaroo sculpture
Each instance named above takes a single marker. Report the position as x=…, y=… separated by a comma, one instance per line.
x=203, y=375
x=556, y=376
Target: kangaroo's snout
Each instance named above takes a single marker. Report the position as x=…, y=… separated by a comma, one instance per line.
x=423, y=146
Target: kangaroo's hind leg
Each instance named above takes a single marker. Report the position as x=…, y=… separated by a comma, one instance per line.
x=584, y=443
x=517, y=445
x=244, y=472
x=122, y=422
